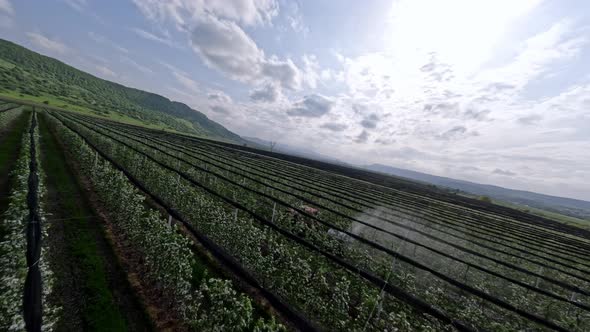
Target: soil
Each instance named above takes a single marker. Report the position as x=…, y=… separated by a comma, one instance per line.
x=92, y=287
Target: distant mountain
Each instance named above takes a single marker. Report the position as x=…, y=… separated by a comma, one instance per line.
x=292, y=150
x=28, y=73
x=568, y=206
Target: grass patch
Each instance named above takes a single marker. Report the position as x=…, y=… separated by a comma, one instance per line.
x=6, y=64
x=99, y=312
x=66, y=105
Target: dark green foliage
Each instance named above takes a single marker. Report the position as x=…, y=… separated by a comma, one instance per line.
x=36, y=75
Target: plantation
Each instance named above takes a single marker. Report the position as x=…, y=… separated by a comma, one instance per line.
x=202, y=235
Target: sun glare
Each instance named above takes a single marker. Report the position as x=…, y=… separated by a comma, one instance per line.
x=461, y=32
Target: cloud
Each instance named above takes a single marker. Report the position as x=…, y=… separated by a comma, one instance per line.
x=385, y=141
x=103, y=40
x=503, y=172
x=48, y=44
x=333, y=126
x=363, y=137
x=370, y=122
x=311, y=70
x=529, y=119
x=453, y=133
x=226, y=47
x=219, y=109
x=78, y=5
x=6, y=7
x=472, y=114
x=150, y=36
x=436, y=89
x=219, y=96
x=223, y=45
x=282, y=71
x=185, y=81
x=105, y=71
x=180, y=12
x=312, y=106
x=268, y=93
x=136, y=65
x=499, y=87
x=216, y=35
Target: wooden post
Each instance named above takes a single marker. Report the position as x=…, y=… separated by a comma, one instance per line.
x=169, y=221
x=273, y=212
x=539, y=278
x=465, y=274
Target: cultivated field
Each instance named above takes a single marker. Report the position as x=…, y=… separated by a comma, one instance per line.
x=110, y=226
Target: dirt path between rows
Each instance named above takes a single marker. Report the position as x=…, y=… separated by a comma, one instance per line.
x=92, y=288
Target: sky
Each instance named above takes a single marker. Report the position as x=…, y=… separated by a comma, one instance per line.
x=495, y=92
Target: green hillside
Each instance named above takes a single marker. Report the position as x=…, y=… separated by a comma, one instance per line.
x=28, y=75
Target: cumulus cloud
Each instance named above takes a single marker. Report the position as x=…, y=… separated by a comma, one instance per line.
x=363, y=137
x=370, y=122
x=219, y=96
x=180, y=12
x=333, y=126
x=223, y=45
x=47, y=43
x=453, y=133
x=529, y=119
x=219, y=109
x=284, y=72
x=268, y=93
x=312, y=106
x=216, y=35
x=436, y=89
x=472, y=114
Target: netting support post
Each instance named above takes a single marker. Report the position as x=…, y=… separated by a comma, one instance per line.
x=539, y=278
x=465, y=274
x=274, y=207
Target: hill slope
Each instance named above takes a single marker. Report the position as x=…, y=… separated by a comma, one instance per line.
x=568, y=206
x=31, y=74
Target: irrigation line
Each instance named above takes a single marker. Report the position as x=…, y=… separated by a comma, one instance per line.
x=378, y=281
x=32, y=306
